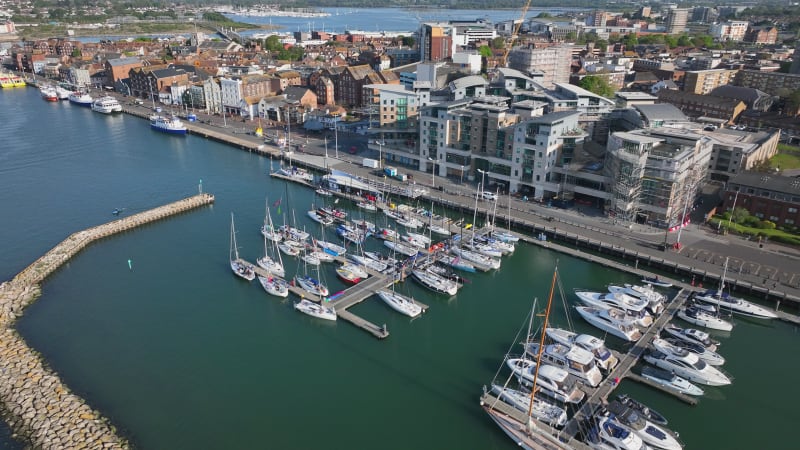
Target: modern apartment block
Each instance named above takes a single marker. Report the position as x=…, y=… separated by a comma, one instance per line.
x=704, y=81
x=773, y=83
x=654, y=178
x=676, y=20
x=554, y=62
x=397, y=112
x=734, y=30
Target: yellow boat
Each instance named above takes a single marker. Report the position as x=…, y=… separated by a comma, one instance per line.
x=5, y=81
x=18, y=81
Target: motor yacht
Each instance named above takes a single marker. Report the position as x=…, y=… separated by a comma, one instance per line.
x=655, y=300
x=649, y=432
x=604, y=358
x=702, y=318
x=670, y=380
x=545, y=412
x=612, y=321
x=573, y=359
x=646, y=411
x=737, y=305
x=609, y=435
x=692, y=335
x=552, y=381
x=634, y=307
x=689, y=366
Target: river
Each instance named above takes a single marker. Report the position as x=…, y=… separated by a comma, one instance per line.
x=179, y=353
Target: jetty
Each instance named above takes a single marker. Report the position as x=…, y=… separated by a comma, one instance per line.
x=39, y=407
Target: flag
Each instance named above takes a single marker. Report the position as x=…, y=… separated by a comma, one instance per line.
x=277, y=203
x=279, y=210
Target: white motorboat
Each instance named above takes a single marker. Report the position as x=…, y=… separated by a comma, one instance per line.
x=573, y=359
x=703, y=318
x=645, y=411
x=330, y=247
x=655, y=299
x=670, y=380
x=652, y=434
x=274, y=286
x=435, y=282
x=106, y=105
x=656, y=281
x=604, y=358
x=634, y=307
x=315, y=309
x=367, y=206
x=552, y=415
x=612, y=321
x=62, y=93
x=401, y=248
x=692, y=335
x=734, y=304
x=168, y=124
x=552, y=381
x=81, y=99
x=689, y=366
x=400, y=303
x=609, y=435
x=712, y=358
x=311, y=285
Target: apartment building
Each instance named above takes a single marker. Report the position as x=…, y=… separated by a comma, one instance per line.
x=696, y=105
x=734, y=30
x=676, y=20
x=553, y=62
x=397, y=111
x=704, y=81
x=773, y=83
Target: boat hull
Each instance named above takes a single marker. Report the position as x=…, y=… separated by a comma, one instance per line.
x=175, y=131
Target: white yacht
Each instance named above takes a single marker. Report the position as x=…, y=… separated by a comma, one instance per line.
x=435, y=282
x=378, y=266
x=400, y=303
x=271, y=266
x=655, y=299
x=649, y=432
x=688, y=366
x=552, y=415
x=311, y=285
x=670, y=380
x=274, y=286
x=573, y=359
x=609, y=435
x=634, y=307
x=81, y=99
x=692, y=335
x=320, y=218
x=703, y=318
x=293, y=233
x=297, y=173
x=552, y=381
x=315, y=310
x=330, y=248
x=734, y=304
x=243, y=270
x=440, y=230
x=604, y=358
x=612, y=321
x=168, y=124
x=712, y=358
x=401, y=248
x=106, y=105
x=480, y=261
x=290, y=248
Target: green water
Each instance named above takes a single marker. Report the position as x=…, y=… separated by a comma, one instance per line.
x=180, y=354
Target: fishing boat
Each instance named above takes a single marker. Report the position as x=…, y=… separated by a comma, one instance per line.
x=48, y=93
x=651, y=433
x=240, y=268
x=669, y=380
x=692, y=335
x=702, y=318
x=81, y=99
x=648, y=413
x=274, y=286
x=604, y=358
x=315, y=310
x=687, y=365
x=168, y=124
x=435, y=282
x=612, y=321
x=609, y=435
x=106, y=105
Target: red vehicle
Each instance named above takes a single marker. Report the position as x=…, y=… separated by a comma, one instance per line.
x=353, y=150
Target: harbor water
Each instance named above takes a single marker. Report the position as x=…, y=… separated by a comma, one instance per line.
x=181, y=354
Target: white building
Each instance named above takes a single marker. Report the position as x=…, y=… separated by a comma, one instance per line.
x=231, y=94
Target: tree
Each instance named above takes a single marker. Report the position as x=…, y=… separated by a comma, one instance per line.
x=273, y=44
x=684, y=41
x=630, y=41
x=571, y=36
x=598, y=85
x=498, y=43
x=601, y=44
x=739, y=214
x=408, y=41
x=485, y=51
x=671, y=41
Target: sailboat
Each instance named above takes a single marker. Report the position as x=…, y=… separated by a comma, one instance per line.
x=268, y=261
x=274, y=285
x=315, y=309
x=310, y=284
x=400, y=303
x=239, y=267
x=737, y=305
x=505, y=408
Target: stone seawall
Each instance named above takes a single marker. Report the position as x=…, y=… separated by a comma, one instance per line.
x=38, y=407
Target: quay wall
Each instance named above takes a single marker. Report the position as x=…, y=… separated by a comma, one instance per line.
x=35, y=403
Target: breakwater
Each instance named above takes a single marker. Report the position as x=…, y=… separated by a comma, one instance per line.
x=33, y=400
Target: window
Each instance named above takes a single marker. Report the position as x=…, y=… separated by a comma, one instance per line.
x=774, y=218
x=789, y=221
x=792, y=210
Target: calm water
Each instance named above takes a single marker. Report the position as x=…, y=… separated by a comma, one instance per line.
x=180, y=354
x=386, y=19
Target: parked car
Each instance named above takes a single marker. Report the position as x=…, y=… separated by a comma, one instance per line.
x=487, y=195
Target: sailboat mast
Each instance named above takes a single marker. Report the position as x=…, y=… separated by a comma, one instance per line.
x=541, y=341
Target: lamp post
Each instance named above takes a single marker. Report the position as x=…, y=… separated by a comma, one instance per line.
x=433, y=172
x=483, y=172
x=336, y=136
x=380, y=153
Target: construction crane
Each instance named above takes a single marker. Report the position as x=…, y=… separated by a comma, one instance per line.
x=514, y=33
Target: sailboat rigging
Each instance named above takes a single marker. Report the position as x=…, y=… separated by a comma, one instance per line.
x=239, y=267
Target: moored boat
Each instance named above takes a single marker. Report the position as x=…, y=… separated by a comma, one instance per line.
x=609, y=435
x=400, y=303
x=551, y=381
x=734, y=304
x=692, y=335
x=435, y=282
x=106, y=105
x=699, y=317
x=604, y=358
x=315, y=310
x=274, y=286
x=651, y=433
x=81, y=99
x=573, y=359
x=612, y=321
x=670, y=380
x=689, y=366
x=648, y=413
x=168, y=124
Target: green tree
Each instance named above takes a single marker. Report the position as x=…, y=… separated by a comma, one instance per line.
x=630, y=41
x=544, y=15
x=601, y=44
x=408, y=41
x=498, y=43
x=571, y=36
x=739, y=215
x=273, y=44
x=598, y=85
x=671, y=41
x=76, y=53
x=485, y=51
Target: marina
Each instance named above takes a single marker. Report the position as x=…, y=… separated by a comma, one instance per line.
x=539, y=246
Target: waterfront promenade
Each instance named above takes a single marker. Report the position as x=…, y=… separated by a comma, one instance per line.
x=39, y=407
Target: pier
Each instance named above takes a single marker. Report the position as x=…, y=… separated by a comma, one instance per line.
x=349, y=297
x=37, y=404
